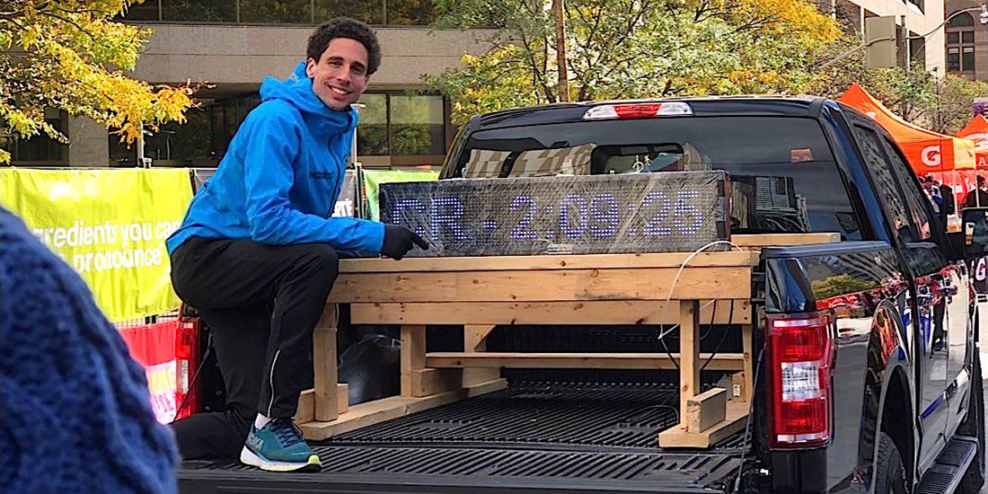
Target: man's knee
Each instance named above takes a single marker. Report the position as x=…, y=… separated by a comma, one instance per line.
x=325, y=259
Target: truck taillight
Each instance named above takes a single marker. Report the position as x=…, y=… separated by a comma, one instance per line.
x=186, y=362
x=800, y=352
x=638, y=110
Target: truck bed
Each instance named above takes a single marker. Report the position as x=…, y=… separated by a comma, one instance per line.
x=528, y=437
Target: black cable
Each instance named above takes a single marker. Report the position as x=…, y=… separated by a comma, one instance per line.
x=723, y=337
x=663, y=341
x=195, y=377
x=747, y=425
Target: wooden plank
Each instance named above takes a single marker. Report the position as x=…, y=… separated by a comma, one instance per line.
x=455, y=360
x=475, y=340
x=571, y=261
x=427, y=382
x=749, y=372
x=539, y=286
x=706, y=410
x=324, y=365
x=523, y=313
x=783, y=239
x=306, y=411
x=378, y=411
x=689, y=349
x=679, y=437
x=412, y=355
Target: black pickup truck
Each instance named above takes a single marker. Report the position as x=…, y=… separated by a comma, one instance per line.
x=867, y=378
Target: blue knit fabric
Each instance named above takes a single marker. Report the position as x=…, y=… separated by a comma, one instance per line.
x=75, y=413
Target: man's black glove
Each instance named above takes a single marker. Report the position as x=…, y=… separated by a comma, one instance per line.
x=398, y=241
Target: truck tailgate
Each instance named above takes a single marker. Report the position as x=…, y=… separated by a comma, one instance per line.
x=529, y=437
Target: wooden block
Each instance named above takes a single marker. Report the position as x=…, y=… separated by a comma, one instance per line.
x=306, y=411
x=475, y=340
x=550, y=262
x=679, y=437
x=706, y=410
x=378, y=411
x=782, y=239
x=545, y=286
x=689, y=350
x=586, y=312
x=342, y=397
x=412, y=355
x=427, y=382
x=324, y=363
x=456, y=360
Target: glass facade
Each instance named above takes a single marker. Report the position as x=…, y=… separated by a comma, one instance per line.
x=201, y=141
x=411, y=126
x=376, y=12
x=401, y=125
x=416, y=125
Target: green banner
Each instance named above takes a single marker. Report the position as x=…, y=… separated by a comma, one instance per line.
x=110, y=225
x=374, y=178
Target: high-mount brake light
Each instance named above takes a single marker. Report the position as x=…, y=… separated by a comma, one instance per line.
x=638, y=110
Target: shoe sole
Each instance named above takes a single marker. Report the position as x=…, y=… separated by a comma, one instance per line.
x=248, y=457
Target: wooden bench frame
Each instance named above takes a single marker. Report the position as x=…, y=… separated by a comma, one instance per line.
x=480, y=293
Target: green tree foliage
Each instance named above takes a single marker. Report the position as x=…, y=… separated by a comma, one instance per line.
x=70, y=55
x=654, y=48
x=633, y=48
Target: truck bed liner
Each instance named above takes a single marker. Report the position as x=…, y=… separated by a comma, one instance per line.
x=534, y=436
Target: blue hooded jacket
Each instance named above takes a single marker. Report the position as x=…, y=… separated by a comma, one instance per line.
x=281, y=176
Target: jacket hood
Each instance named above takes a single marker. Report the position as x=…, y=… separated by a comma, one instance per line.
x=297, y=91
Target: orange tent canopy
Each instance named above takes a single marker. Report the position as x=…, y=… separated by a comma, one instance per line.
x=977, y=130
x=927, y=151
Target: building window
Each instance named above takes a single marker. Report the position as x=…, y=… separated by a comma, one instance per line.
x=416, y=125
x=960, y=44
x=196, y=10
x=308, y=12
x=372, y=132
x=201, y=141
x=369, y=11
x=41, y=150
x=401, y=125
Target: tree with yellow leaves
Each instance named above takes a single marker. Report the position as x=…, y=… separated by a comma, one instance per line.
x=634, y=49
x=70, y=55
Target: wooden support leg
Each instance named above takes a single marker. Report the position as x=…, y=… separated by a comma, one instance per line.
x=689, y=354
x=703, y=432
x=475, y=340
x=412, y=356
x=749, y=376
x=324, y=361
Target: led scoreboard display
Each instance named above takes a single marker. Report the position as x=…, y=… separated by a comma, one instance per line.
x=647, y=212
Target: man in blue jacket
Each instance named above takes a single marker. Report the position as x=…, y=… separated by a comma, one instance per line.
x=257, y=251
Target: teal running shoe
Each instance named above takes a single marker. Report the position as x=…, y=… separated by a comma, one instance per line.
x=278, y=447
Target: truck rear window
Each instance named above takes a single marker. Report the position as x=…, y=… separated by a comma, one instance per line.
x=783, y=174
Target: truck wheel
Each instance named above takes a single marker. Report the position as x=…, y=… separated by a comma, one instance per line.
x=890, y=474
x=974, y=426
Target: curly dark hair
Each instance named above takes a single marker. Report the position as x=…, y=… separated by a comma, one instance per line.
x=344, y=27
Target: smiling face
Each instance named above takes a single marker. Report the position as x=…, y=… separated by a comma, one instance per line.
x=339, y=77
